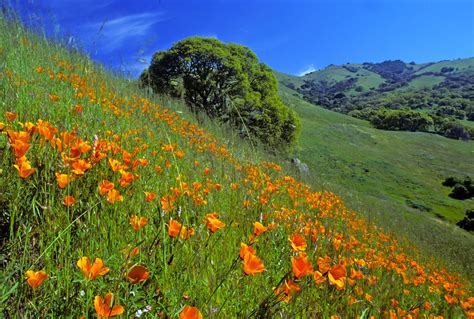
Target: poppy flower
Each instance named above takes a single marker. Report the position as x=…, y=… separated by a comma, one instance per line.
x=137, y=274
x=186, y=233
x=80, y=166
x=138, y=222
x=10, y=116
x=69, y=200
x=24, y=167
x=126, y=178
x=20, y=148
x=324, y=264
x=287, y=290
x=301, y=266
x=35, y=278
x=115, y=165
x=54, y=98
x=114, y=196
x=253, y=265
x=149, y=196
x=245, y=249
x=105, y=186
x=63, y=179
x=174, y=228
x=103, y=307
x=213, y=223
x=190, y=313
x=91, y=272
x=258, y=228
x=298, y=243
x=337, y=276
x=167, y=203
x=134, y=251
x=318, y=277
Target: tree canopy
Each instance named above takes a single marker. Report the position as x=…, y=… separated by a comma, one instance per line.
x=227, y=82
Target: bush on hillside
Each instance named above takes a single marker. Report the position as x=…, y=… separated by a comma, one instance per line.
x=401, y=120
x=461, y=188
x=467, y=222
x=226, y=82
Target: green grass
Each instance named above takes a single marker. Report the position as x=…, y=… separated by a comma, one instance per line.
x=460, y=64
x=389, y=173
x=195, y=168
x=424, y=81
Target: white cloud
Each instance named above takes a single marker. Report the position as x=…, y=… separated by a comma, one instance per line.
x=310, y=68
x=113, y=34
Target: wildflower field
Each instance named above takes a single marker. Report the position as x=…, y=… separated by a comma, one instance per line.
x=115, y=205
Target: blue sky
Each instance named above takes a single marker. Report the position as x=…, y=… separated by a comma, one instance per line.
x=293, y=36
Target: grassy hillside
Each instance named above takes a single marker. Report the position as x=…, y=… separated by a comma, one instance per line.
x=114, y=205
x=396, y=175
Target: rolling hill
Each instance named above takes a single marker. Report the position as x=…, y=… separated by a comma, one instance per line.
x=357, y=79
x=393, y=176
x=431, y=97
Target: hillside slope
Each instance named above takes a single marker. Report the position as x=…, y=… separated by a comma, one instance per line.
x=436, y=97
x=112, y=204
x=396, y=175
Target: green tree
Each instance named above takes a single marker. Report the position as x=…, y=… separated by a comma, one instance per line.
x=227, y=82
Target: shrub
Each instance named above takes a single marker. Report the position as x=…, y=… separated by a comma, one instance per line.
x=468, y=222
x=227, y=82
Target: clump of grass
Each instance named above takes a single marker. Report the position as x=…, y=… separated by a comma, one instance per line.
x=115, y=205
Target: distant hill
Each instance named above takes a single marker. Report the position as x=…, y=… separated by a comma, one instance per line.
x=441, y=93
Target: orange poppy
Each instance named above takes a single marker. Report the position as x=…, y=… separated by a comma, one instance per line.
x=288, y=289
x=185, y=233
x=115, y=165
x=253, y=265
x=103, y=307
x=318, y=277
x=258, y=228
x=337, y=275
x=150, y=196
x=105, y=186
x=213, y=223
x=245, y=249
x=53, y=98
x=126, y=178
x=20, y=147
x=324, y=264
x=167, y=203
x=69, y=200
x=21, y=135
x=114, y=196
x=138, y=222
x=174, y=228
x=91, y=272
x=301, y=266
x=137, y=274
x=63, y=179
x=134, y=251
x=24, y=167
x=298, y=243
x=80, y=166
x=190, y=313
x=35, y=278
x=10, y=116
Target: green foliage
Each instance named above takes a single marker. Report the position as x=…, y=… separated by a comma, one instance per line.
x=227, y=82
x=401, y=120
x=467, y=222
x=462, y=188
x=444, y=90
